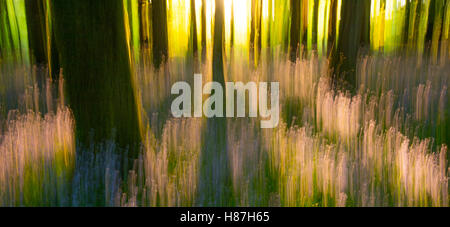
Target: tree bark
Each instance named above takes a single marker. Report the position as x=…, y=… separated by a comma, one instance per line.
x=295, y=29
x=218, y=75
x=430, y=23
x=36, y=30
x=194, y=36
x=203, y=42
x=315, y=24
x=404, y=41
x=96, y=60
x=304, y=23
x=41, y=37
x=354, y=33
x=160, y=33
x=332, y=28
x=255, y=33
x=216, y=187
x=258, y=33
x=144, y=26
x=252, y=33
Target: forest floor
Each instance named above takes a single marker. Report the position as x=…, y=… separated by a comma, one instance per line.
x=384, y=145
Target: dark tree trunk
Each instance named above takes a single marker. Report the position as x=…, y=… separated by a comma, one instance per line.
x=218, y=75
x=295, y=29
x=36, y=30
x=440, y=30
x=252, y=33
x=92, y=41
x=255, y=33
x=269, y=28
x=406, y=26
x=160, y=33
x=203, y=42
x=143, y=23
x=304, y=23
x=332, y=28
x=417, y=15
x=53, y=61
x=433, y=34
x=354, y=33
x=194, y=36
x=430, y=26
x=430, y=23
x=41, y=37
x=216, y=184
x=315, y=24
x=258, y=33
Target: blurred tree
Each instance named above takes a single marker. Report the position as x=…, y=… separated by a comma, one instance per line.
x=96, y=59
x=406, y=30
x=145, y=32
x=332, y=27
x=354, y=33
x=203, y=42
x=255, y=32
x=194, y=36
x=269, y=27
x=434, y=28
x=431, y=15
x=232, y=30
x=160, y=33
x=219, y=27
x=216, y=186
x=295, y=28
x=416, y=15
x=36, y=30
x=144, y=24
x=41, y=36
x=315, y=24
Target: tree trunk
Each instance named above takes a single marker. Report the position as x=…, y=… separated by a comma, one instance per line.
x=406, y=26
x=430, y=26
x=41, y=37
x=304, y=23
x=252, y=33
x=258, y=33
x=430, y=23
x=143, y=22
x=434, y=28
x=36, y=30
x=295, y=28
x=194, y=36
x=315, y=24
x=441, y=39
x=332, y=28
x=216, y=184
x=417, y=15
x=203, y=42
x=98, y=72
x=160, y=33
x=255, y=33
x=218, y=75
x=354, y=32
